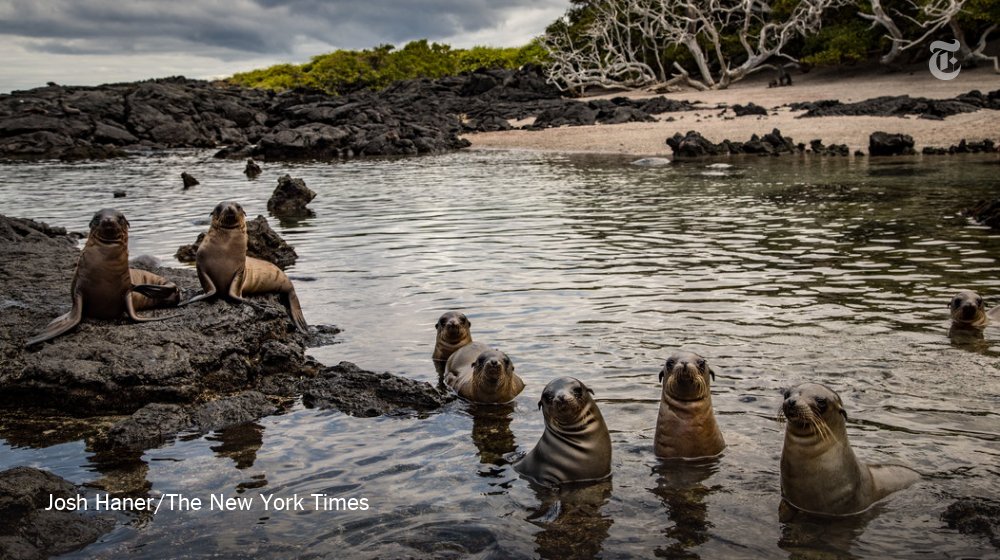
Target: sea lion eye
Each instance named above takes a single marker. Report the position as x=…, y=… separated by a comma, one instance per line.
x=821, y=403
x=578, y=392
x=701, y=363
x=465, y=321
x=956, y=302
x=547, y=397
x=979, y=302
x=506, y=361
x=786, y=393
x=670, y=365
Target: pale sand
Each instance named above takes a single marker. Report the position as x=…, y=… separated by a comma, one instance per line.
x=847, y=86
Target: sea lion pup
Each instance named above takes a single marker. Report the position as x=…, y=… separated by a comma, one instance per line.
x=968, y=311
x=685, y=426
x=819, y=472
x=489, y=380
x=225, y=270
x=103, y=286
x=576, y=445
x=453, y=332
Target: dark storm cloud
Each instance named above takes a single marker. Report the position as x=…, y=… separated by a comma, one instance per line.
x=251, y=27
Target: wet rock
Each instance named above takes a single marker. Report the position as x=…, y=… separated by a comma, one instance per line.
x=749, y=109
x=986, y=212
x=262, y=243
x=357, y=392
x=817, y=147
x=975, y=516
x=886, y=144
x=252, y=170
x=156, y=423
x=290, y=198
x=27, y=531
x=986, y=146
x=118, y=366
x=189, y=181
x=692, y=144
x=119, y=193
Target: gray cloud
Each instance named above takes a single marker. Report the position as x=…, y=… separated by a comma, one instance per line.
x=93, y=41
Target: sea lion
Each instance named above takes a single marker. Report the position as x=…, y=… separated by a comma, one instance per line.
x=189, y=180
x=576, y=445
x=453, y=332
x=685, y=425
x=968, y=311
x=490, y=379
x=225, y=270
x=252, y=170
x=819, y=472
x=104, y=287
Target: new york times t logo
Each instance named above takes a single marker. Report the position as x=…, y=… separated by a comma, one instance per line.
x=942, y=64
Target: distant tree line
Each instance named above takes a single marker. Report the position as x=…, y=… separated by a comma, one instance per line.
x=709, y=44
x=345, y=71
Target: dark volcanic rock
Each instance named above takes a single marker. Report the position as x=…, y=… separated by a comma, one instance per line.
x=118, y=366
x=975, y=516
x=895, y=106
x=817, y=147
x=357, y=392
x=156, y=423
x=694, y=144
x=749, y=109
x=886, y=144
x=572, y=113
x=290, y=198
x=189, y=180
x=987, y=212
x=27, y=531
x=986, y=146
x=262, y=243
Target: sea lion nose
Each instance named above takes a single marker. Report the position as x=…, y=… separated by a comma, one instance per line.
x=494, y=362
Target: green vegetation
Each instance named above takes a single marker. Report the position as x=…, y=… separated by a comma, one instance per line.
x=344, y=71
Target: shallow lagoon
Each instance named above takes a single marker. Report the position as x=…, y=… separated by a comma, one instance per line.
x=778, y=270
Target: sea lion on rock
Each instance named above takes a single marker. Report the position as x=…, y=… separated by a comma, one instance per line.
x=685, y=425
x=453, y=332
x=819, y=472
x=968, y=311
x=225, y=270
x=104, y=287
x=490, y=379
x=576, y=445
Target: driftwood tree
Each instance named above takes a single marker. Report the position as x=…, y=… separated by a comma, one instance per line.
x=626, y=43
x=928, y=17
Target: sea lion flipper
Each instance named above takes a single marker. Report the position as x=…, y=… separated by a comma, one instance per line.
x=130, y=309
x=62, y=323
x=206, y=284
x=155, y=291
x=994, y=313
x=291, y=303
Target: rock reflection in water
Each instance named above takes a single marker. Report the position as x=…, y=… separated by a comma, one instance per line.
x=239, y=443
x=571, y=520
x=679, y=485
x=492, y=436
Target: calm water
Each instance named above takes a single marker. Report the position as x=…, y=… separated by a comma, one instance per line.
x=779, y=271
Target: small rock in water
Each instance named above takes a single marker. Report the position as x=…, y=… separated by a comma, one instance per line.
x=189, y=181
x=651, y=162
x=290, y=198
x=119, y=194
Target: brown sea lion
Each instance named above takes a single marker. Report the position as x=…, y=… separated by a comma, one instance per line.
x=226, y=271
x=576, y=445
x=685, y=426
x=969, y=312
x=104, y=287
x=453, y=332
x=490, y=379
x=819, y=472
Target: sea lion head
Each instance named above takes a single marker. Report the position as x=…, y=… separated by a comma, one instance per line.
x=228, y=215
x=685, y=377
x=492, y=369
x=813, y=410
x=109, y=226
x=565, y=400
x=967, y=308
x=453, y=327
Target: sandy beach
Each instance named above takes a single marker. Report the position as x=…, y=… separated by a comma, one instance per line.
x=716, y=125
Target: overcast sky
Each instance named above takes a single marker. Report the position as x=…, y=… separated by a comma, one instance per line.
x=89, y=42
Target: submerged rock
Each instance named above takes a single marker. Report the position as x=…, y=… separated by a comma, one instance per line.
x=262, y=243
x=27, y=531
x=651, y=162
x=975, y=516
x=357, y=392
x=290, y=198
x=986, y=212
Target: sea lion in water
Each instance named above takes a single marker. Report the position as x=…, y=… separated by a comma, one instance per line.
x=576, y=445
x=819, y=472
x=968, y=311
x=685, y=425
x=453, y=332
x=490, y=379
x=225, y=270
x=104, y=287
